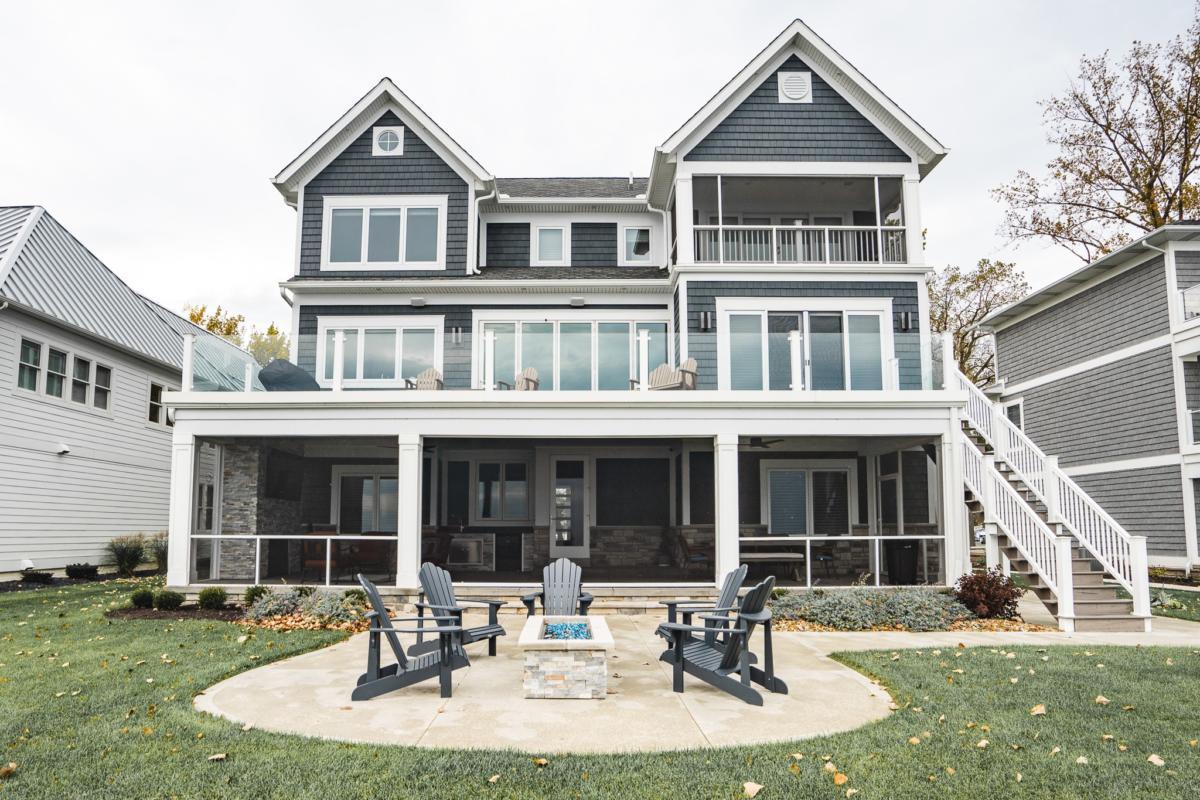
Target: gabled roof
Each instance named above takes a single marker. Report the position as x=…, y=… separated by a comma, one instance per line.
x=799, y=39
x=46, y=271
x=572, y=188
x=384, y=96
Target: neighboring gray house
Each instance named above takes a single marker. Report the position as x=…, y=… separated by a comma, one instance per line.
x=1101, y=368
x=84, y=438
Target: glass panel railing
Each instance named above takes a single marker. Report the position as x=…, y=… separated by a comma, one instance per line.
x=219, y=366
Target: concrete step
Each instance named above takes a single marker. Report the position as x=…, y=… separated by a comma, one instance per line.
x=1102, y=608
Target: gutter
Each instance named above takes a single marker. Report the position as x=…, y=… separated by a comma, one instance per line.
x=475, y=269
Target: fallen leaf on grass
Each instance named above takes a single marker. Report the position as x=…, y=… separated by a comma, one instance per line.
x=914, y=740
x=751, y=789
x=248, y=726
x=541, y=762
x=851, y=792
x=829, y=767
x=983, y=743
x=1156, y=760
x=1038, y=710
x=494, y=779
x=950, y=771
x=8, y=769
x=1056, y=750
x=1081, y=760
x=1101, y=700
x=217, y=757
x=1193, y=742
x=840, y=778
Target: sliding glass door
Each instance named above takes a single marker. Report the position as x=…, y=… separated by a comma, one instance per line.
x=838, y=350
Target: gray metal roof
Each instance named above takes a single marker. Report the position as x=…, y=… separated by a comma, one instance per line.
x=52, y=274
x=565, y=274
x=591, y=188
x=1138, y=249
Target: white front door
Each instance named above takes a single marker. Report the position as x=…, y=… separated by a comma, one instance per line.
x=570, y=507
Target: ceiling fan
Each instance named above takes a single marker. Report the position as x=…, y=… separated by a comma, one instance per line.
x=760, y=442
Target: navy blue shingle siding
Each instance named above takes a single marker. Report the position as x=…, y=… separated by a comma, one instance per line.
x=508, y=244
x=594, y=244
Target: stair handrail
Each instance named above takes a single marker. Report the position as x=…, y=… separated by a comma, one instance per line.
x=1120, y=553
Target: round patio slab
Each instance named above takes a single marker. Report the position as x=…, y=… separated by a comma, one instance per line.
x=310, y=695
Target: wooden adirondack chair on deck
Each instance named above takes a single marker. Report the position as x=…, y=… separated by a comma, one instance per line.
x=562, y=594
x=437, y=595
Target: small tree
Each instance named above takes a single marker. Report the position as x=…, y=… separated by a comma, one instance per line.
x=228, y=326
x=959, y=301
x=268, y=345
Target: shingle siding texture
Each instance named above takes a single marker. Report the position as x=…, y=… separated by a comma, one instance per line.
x=702, y=296
x=593, y=244
x=1187, y=268
x=1117, y=313
x=1147, y=502
x=827, y=129
x=1121, y=410
x=508, y=244
x=356, y=172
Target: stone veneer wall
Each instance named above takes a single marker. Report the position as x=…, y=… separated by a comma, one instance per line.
x=566, y=674
x=624, y=546
x=245, y=510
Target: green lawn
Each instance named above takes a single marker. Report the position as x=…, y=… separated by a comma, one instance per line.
x=97, y=708
x=1179, y=603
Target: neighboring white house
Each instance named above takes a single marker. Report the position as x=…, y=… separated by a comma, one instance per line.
x=84, y=361
x=770, y=268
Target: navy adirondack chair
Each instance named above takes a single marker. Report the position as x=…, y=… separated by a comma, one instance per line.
x=440, y=662
x=562, y=592
x=729, y=665
x=437, y=595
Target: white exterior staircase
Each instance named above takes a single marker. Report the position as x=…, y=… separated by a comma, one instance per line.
x=1042, y=525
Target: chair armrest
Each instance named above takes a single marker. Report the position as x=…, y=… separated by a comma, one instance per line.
x=504, y=385
x=409, y=383
x=531, y=596
x=761, y=616
x=720, y=619
x=473, y=601
x=450, y=617
x=448, y=629
x=675, y=627
x=436, y=607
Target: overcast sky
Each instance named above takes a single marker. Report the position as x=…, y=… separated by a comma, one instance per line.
x=151, y=130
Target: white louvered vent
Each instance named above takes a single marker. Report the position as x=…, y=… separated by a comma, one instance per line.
x=795, y=87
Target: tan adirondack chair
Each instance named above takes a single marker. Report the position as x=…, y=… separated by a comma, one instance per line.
x=430, y=379
x=528, y=381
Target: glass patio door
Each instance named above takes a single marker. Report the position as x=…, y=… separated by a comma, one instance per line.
x=570, y=509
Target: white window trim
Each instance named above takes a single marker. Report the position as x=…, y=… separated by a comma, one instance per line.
x=535, y=249
x=502, y=460
x=1020, y=404
x=378, y=151
x=622, y=258
x=40, y=394
x=166, y=387
x=765, y=305
x=632, y=316
x=369, y=202
x=376, y=472
x=397, y=323
x=849, y=466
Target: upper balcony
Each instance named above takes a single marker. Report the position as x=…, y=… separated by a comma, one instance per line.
x=798, y=220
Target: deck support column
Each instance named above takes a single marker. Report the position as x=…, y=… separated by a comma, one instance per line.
x=408, y=522
x=179, y=516
x=728, y=525
x=956, y=544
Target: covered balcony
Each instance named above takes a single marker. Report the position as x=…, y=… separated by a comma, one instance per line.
x=794, y=220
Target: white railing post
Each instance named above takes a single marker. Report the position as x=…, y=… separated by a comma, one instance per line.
x=991, y=539
x=999, y=434
x=489, y=360
x=248, y=378
x=1064, y=549
x=1051, y=493
x=825, y=234
x=189, y=361
x=339, y=358
x=1139, y=564
x=643, y=340
x=989, y=489
x=797, y=358
x=949, y=364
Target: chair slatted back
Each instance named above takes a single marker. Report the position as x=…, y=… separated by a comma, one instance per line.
x=753, y=603
x=729, y=589
x=438, y=587
x=662, y=376
x=688, y=372
x=528, y=381
x=561, y=584
x=382, y=620
x=430, y=379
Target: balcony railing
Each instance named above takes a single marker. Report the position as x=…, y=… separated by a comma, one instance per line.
x=1191, y=302
x=799, y=244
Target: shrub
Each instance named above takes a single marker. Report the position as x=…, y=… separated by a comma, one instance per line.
x=328, y=607
x=158, y=549
x=988, y=594
x=85, y=572
x=274, y=604
x=922, y=609
x=142, y=598
x=127, y=553
x=167, y=600
x=355, y=597
x=304, y=591
x=909, y=607
x=32, y=575
x=252, y=593
x=212, y=598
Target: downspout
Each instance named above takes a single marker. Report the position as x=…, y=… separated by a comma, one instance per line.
x=475, y=269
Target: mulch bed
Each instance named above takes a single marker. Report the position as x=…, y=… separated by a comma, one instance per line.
x=986, y=625
x=58, y=583
x=184, y=612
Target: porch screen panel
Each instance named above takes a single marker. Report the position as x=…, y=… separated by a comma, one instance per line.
x=516, y=491
x=779, y=349
x=537, y=351
x=612, y=371
x=866, y=355
x=701, y=486
x=356, y=511
x=389, y=505
x=745, y=351
x=458, y=492
x=633, y=491
x=825, y=351
x=916, y=487
x=831, y=503
x=575, y=356
x=789, y=501
x=487, y=491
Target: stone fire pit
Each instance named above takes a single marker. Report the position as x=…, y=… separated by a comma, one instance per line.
x=573, y=668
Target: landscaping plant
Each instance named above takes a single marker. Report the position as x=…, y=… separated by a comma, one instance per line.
x=127, y=553
x=85, y=571
x=355, y=597
x=167, y=600
x=142, y=598
x=252, y=593
x=911, y=608
x=990, y=595
x=158, y=549
x=31, y=575
x=212, y=598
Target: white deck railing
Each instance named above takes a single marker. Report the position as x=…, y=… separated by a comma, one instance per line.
x=799, y=244
x=1121, y=554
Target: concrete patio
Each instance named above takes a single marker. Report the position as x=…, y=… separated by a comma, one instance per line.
x=309, y=694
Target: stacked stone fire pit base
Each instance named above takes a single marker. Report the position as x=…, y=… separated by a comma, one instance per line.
x=566, y=668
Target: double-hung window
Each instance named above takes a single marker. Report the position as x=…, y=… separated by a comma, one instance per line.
x=808, y=498
x=81, y=379
x=365, y=499
x=394, y=232
x=67, y=376
x=501, y=491
x=56, y=372
x=156, y=413
x=30, y=366
x=380, y=352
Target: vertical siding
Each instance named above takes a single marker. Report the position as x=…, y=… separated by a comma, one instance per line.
x=57, y=509
x=1119, y=312
x=1122, y=410
x=827, y=129
x=508, y=244
x=1147, y=502
x=702, y=296
x=594, y=244
x=419, y=171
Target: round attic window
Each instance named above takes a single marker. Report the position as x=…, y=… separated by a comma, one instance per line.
x=795, y=85
x=387, y=141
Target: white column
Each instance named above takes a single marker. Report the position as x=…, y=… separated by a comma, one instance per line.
x=339, y=359
x=949, y=363
x=1064, y=550
x=728, y=525
x=643, y=342
x=408, y=522
x=1140, y=567
x=189, y=360
x=685, y=241
x=912, y=221
x=957, y=547
x=489, y=360
x=179, y=516
x=797, y=358
x=248, y=378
